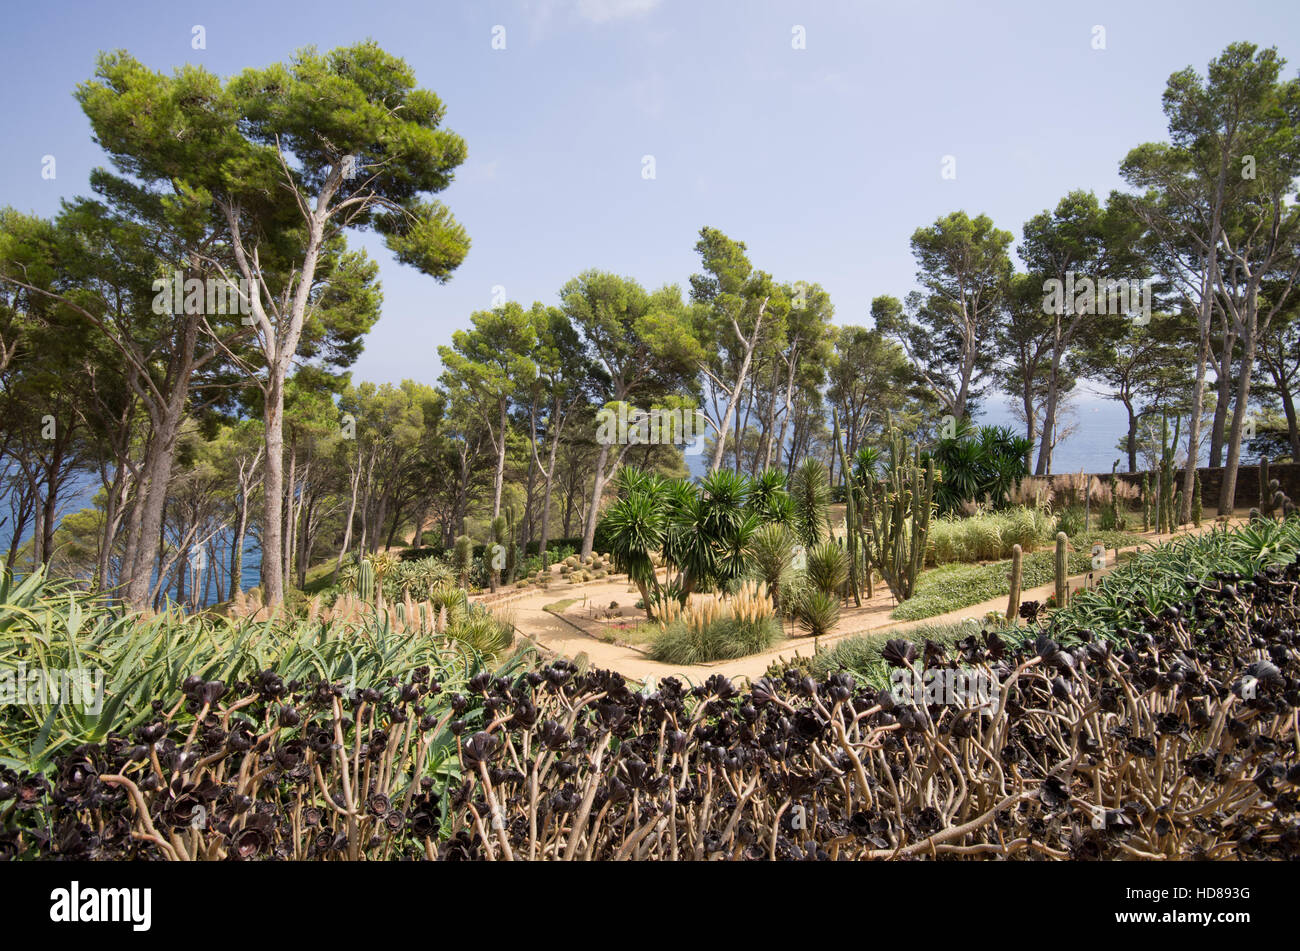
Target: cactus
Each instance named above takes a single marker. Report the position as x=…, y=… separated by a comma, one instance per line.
x=1196, y=499
x=366, y=580
x=1013, y=599
x=1061, y=568
x=1146, y=501
x=1087, y=503
x=851, y=523
x=897, y=510
x=1166, y=514
x=498, y=531
x=463, y=559
x=1265, y=497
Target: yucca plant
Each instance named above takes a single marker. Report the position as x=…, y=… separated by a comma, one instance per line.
x=818, y=612
x=771, y=548
x=811, y=493
x=828, y=567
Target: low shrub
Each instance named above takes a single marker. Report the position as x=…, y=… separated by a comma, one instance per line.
x=955, y=586
x=987, y=536
x=722, y=639
x=1157, y=578
x=51, y=627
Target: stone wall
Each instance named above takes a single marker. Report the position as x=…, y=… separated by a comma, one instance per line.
x=1247, y=493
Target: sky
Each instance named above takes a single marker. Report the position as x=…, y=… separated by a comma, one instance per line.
x=822, y=159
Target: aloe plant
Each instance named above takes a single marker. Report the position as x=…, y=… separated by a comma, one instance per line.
x=51, y=627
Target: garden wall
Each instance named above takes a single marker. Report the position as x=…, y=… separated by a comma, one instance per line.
x=1247, y=493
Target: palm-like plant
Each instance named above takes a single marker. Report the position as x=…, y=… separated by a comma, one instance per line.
x=769, y=499
x=977, y=465
x=811, y=492
x=866, y=464
x=726, y=526
x=635, y=533
x=685, y=547
x=1005, y=454
x=828, y=567
x=771, y=547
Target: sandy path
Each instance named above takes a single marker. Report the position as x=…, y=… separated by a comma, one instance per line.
x=565, y=634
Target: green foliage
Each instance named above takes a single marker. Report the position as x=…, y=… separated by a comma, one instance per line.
x=828, y=567
x=818, y=612
x=860, y=654
x=462, y=559
x=979, y=465
x=771, y=549
x=50, y=626
x=1070, y=520
x=897, y=511
x=724, y=639
x=955, y=586
x=811, y=494
x=987, y=536
x=1160, y=576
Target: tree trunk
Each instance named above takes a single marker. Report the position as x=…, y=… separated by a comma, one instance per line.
x=597, y=487
x=1228, y=489
x=501, y=464
x=153, y=499
x=273, y=503
x=352, y=510
x=1224, y=400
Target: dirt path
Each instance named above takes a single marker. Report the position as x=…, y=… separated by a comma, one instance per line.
x=567, y=634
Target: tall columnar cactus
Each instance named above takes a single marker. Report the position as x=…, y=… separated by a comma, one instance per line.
x=1116, y=522
x=851, y=521
x=1146, y=501
x=1265, y=494
x=1013, y=599
x=497, y=548
x=463, y=559
x=1166, y=514
x=1061, y=568
x=1196, y=499
x=366, y=580
x=897, y=510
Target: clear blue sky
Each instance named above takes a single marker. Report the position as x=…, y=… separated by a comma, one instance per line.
x=823, y=160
